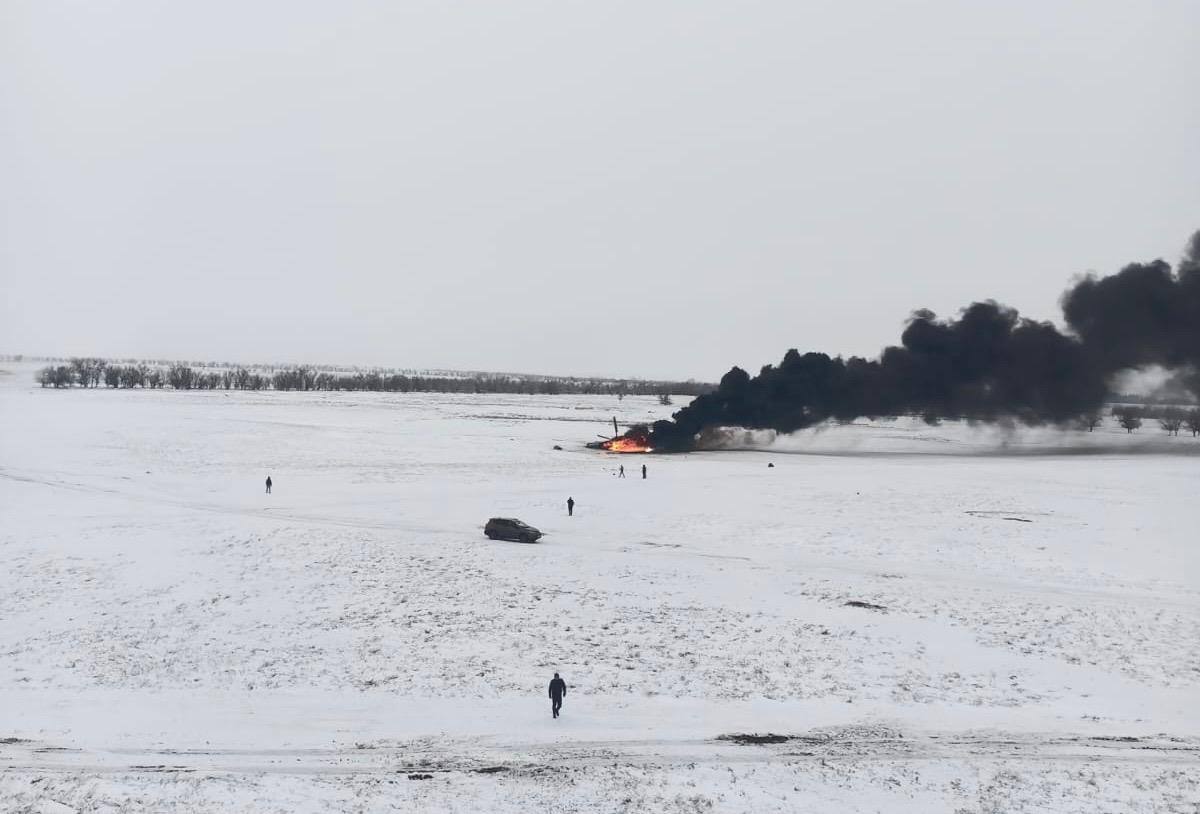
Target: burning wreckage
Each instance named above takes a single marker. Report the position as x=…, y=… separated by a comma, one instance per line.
x=635, y=439
x=988, y=364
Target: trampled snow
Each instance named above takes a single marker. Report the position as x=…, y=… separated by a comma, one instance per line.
x=1025, y=636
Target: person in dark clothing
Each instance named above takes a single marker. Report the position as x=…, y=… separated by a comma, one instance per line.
x=643, y=471
x=268, y=484
x=558, y=688
x=621, y=471
x=570, y=506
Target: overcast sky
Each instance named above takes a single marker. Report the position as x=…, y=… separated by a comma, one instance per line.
x=630, y=188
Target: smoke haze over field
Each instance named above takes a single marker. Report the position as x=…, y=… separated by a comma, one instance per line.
x=987, y=364
x=616, y=189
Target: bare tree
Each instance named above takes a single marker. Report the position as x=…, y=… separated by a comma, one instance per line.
x=56, y=377
x=1192, y=422
x=665, y=399
x=1171, y=419
x=1091, y=420
x=134, y=376
x=1128, y=417
x=181, y=377
x=82, y=370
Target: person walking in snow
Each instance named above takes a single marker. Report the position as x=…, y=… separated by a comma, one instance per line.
x=643, y=471
x=268, y=484
x=570, y=506
x=621, y=471
x=558, y=688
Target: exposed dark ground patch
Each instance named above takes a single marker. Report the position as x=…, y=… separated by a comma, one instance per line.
x=755, y=738
x=855, y=603
x=999, y=516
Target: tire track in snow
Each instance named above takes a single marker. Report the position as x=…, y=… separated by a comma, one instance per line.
x=467, y=757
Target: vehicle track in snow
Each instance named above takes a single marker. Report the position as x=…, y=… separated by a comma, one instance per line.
x=491, y=756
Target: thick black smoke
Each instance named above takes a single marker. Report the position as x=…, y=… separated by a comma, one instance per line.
x=989, y=364
x=1143, y=315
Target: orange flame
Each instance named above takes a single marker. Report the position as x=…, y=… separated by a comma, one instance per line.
x=626, y=444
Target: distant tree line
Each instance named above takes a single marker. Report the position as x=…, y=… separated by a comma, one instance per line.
x=1171, y=418
x=94, y=372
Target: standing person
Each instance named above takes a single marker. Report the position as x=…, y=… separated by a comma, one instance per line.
x=643, y=471
x=570, y=506
x=558, y=688
x=268, y=484
x=621, y=471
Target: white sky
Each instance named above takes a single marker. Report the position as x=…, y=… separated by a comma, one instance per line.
x=627, y=188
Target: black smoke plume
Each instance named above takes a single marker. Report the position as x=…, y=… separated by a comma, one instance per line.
x=1145, y=314
x=989, y=364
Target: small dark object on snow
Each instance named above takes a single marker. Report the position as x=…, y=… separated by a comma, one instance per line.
x=754, y=738
x=510, y=528
x=420, y=776
x=770, y=466
x=556, y=446
x=854, y=603
x=158, y=767
x=997, y=515
x=491, y=769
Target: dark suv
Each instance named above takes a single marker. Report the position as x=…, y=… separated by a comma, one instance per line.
x=509, y=528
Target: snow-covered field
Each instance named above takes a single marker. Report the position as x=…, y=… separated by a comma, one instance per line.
x=173, y=639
